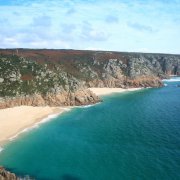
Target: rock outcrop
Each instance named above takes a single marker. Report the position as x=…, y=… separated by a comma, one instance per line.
x=62, y=77
x=6, y=175
x=77, y=98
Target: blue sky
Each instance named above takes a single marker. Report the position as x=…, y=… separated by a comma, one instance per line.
x=118, y=25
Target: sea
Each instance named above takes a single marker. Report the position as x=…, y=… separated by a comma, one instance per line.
x=129, y=136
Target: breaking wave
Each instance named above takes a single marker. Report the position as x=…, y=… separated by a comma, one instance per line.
x=177, y=79
x=36, y=125
x=1, y=149
x=89, y=105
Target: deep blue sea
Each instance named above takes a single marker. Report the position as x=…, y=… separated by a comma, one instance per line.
x=129, y=136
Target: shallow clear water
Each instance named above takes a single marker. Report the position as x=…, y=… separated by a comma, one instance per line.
x=134, y=135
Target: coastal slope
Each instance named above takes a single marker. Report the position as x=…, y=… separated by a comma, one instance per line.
x=62, y=77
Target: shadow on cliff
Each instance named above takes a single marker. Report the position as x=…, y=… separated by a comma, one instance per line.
x=70, y=177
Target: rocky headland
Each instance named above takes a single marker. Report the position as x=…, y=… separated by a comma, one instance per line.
x=62, y=77
x=77, y=98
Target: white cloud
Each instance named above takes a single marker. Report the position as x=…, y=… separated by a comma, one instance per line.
x=42, y=21
x=112, y=19
x=140, y=27
x=93, y=34
x=112, y=25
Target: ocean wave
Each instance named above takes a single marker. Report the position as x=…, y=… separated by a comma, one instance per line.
x=86, y=106
x=66, y=109
x=36, y=125
x=172, y=80
x=89, y=105
x=1, y=149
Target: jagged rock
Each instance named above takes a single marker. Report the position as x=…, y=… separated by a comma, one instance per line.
x=6, y=175
x=77, y=98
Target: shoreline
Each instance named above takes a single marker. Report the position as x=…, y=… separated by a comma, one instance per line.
x=17, y=120
x=107, y=91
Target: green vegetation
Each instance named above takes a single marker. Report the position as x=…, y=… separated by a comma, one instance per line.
x=53, y=71
x=20, y=76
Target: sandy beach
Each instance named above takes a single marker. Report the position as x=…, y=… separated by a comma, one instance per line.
x=106, y=91
x=13, y=121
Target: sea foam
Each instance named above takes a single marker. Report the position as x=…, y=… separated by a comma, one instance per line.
x=172, y=80
x=1, y=149
x=36, y=125
x=89, y=105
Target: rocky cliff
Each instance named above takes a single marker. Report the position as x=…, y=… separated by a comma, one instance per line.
x=62, y=77
x=77, y=98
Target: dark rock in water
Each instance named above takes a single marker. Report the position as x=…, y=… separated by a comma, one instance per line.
x=6, y=175
x=178, y=85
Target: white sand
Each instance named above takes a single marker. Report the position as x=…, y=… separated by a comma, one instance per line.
x=15, y=120
x=105, y=91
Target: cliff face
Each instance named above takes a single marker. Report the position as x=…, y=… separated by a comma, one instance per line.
x=25, y=82
x=61, y=77
x=77, y=98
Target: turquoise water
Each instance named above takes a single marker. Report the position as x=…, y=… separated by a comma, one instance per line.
x=134, y=135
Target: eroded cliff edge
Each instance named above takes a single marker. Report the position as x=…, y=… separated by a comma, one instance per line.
x=77, y=98
x=62, y=77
